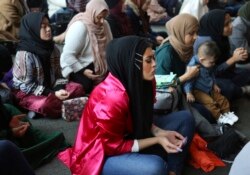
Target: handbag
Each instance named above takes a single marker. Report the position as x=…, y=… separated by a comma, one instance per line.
x=165, y=101
x=72, y=108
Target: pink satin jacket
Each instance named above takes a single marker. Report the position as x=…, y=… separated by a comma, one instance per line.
x=105, y=122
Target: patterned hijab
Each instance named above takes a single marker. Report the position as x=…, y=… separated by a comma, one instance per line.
x=177, y=28
x=244, y=11
x=126, y=66
x=99, y=35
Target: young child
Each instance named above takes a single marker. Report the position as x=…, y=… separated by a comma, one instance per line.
x=203, y=88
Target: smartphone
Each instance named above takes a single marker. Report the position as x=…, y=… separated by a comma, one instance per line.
x=184, y=142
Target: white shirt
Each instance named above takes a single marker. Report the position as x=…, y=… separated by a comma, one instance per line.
x=77, y=51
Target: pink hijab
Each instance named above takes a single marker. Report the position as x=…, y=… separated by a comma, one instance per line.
x=99, y=35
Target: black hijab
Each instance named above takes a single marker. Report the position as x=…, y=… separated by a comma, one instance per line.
x=212, y=24
x=31, y=41
x=125, y=63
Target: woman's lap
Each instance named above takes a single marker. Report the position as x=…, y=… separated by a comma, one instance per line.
x=182, y=122
x=49, y=106
x=134, y=163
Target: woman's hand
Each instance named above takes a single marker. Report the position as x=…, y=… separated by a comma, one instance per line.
x=16, y=121
x=62, y=94
x=240, y=54
x=173, y=136
x=18, y=127
x=20, y=131
x=171, y=89
x=90, y=74
x=167, y=145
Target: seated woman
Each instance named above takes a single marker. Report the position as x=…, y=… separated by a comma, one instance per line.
x=118, y=21
x=173, y=55
x=241, y=30
x=36, y=71
x=65, y=8
x=37, y=147
x=157, y=14
x=83, y=57
x=216, y=26
x=119, y=116
x=172, y=6
x=137, y=14
x=196, y=8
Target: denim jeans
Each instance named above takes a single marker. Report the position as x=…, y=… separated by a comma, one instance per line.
x=150, y=164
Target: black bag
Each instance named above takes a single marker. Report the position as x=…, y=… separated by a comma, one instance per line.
x=227, y=144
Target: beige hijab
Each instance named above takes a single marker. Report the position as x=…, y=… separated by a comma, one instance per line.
x=177, y=28
x=99, y=35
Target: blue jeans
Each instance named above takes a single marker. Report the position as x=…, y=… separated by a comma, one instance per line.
x=150, y=164
x=134, y=163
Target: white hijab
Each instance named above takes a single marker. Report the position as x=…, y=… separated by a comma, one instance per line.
x=196, y=8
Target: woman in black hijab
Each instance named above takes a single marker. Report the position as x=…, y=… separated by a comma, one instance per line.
x=36, y=71
x=119, y=116
x=216, y=26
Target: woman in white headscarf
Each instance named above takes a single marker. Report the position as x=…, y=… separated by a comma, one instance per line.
x=196, y=8
x=83, y=57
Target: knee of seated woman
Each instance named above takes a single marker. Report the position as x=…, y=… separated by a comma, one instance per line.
x=157, y=166
x=186, y=116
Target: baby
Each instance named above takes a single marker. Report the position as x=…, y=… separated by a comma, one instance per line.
x=203, y=88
